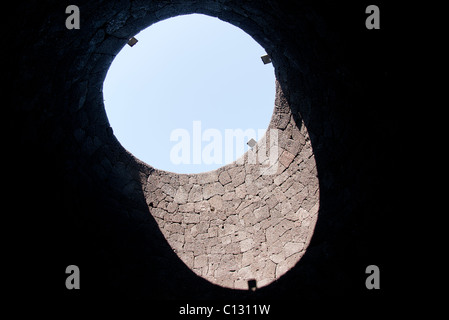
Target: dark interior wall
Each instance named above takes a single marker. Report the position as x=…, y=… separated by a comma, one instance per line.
x=76, y=193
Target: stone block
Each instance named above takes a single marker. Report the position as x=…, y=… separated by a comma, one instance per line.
x=245, y=273
x=237, y=175
x=247, y=258
x=212, y=189
x=261, y=213
x=286, y=158
x=292, y=248
x=277, y=258
x=202, y=207
x=187, y=257
x=181, y=195
x=216, y=203
x=224, y=178
x=207, y=177
x=195, y=194
x=174, y=217
x=251, y=189
x=200, y=261
x=240, y=191
x=226, y=240
x=246, y=244
x=188, y=207
x=191, y=218
x=229, y=196
x=281, y=178
x=172, y=207
x=233, y=248
x=169, y=190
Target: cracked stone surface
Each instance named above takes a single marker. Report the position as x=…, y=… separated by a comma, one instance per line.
x=243, y=221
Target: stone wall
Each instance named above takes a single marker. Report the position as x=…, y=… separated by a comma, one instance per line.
x=247, y=220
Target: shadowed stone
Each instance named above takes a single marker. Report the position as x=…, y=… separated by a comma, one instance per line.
x=212, y=189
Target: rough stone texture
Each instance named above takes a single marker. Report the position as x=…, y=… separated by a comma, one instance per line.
x=259, y=215
x=81, y=198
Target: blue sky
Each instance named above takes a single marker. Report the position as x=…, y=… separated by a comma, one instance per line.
x=185, y=72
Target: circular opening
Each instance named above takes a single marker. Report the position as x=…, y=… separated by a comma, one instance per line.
x=190, y=94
